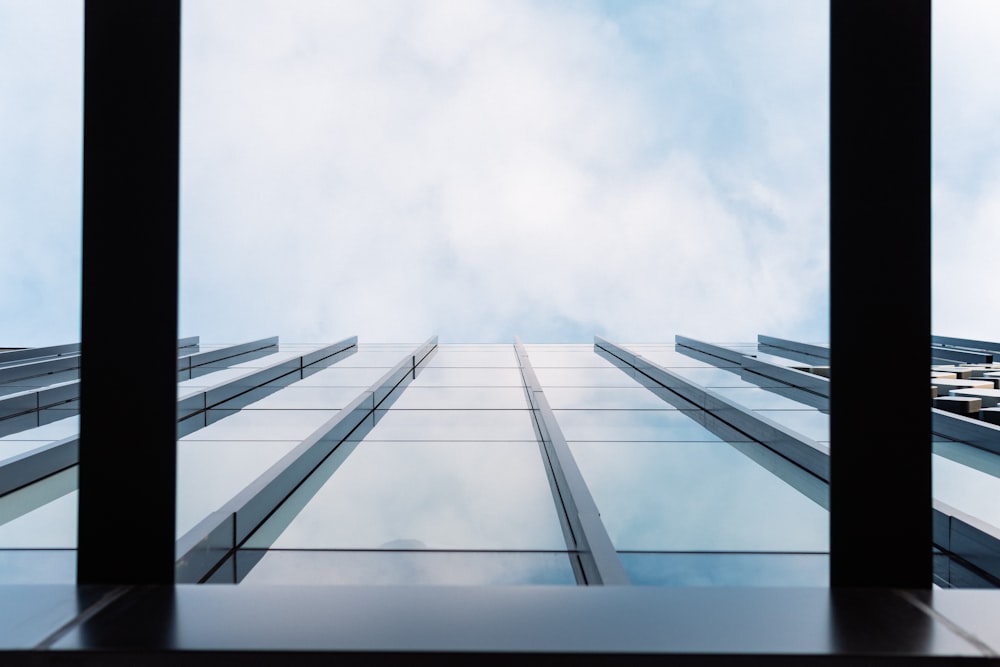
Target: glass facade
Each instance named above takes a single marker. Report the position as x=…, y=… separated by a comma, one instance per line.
x=685, y=464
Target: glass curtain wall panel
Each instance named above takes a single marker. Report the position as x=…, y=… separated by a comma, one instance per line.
x=682, y=505
x=247, y=435
x=448, y=487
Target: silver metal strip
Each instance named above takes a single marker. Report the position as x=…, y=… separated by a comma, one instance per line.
x=207, y=546
x=232, y=354
x=810, y=382
x=807, y=453
x=57, y=402
x=192, y=410
x=961, y=535
x=14, y=356
x=582, y=525
x=807, y=353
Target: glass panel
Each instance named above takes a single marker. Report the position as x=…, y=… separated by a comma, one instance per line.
x=426, y=495
x=967, y=480
x=337, y=376
x=41, y=515
x=726, y=569
x=583, y=377
x=567, y=357
x=402, y=568
x=605, y=398
x=62, y=428
x=707, y=377
x=759, y=399
x=470, y=377
x=810, y=423
x=210, y=473
x=669, y=357
x=297, y=397
x=693, y=496
x=462, y=398
x=37, y=566
x=263, y=424
x=501, y=356
x=622, y=425
x=453, y=425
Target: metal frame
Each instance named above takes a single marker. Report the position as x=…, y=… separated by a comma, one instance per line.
x=804, y=352
x=193, y=409
x=13, y=356
x=816, y=384
x=187, y=365
x=596, y=562
x=212, y=543
x=810, y=455
x=131, y=132
x=968, y=540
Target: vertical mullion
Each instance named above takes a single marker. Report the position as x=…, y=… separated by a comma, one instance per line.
x=598, y=559
x=880, y=493
x=129, y=302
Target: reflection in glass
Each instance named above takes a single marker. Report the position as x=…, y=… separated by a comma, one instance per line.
x=966, y=488
x=423, y=495
x=696, y=496
x=622, y=425
x=209, y=473
x=37, y=566
x=396, y=568
x=486, y=425
x=726, y=569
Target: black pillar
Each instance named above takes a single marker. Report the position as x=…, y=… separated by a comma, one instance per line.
x=880, y=171
x=129, y=337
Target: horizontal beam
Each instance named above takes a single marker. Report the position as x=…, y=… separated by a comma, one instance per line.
x=192, y=408
x=816, y=384
x=232, y=353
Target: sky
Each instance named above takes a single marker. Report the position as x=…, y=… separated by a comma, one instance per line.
x=491, y=168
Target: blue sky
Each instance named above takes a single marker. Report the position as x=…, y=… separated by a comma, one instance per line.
x=482, y=169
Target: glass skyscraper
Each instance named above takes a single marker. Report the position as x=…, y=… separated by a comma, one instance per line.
x=680, y=464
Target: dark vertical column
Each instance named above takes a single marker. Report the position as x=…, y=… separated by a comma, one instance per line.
x=129, y=337
x=880, y=507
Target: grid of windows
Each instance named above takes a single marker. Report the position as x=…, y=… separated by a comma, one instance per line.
x=435, y=464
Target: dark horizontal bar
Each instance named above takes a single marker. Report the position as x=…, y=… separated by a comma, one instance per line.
x=207, y=546
x=531, y=625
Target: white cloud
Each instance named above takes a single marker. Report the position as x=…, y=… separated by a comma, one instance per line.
x=41, y=111
x=396, y=169
x=966, y=170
